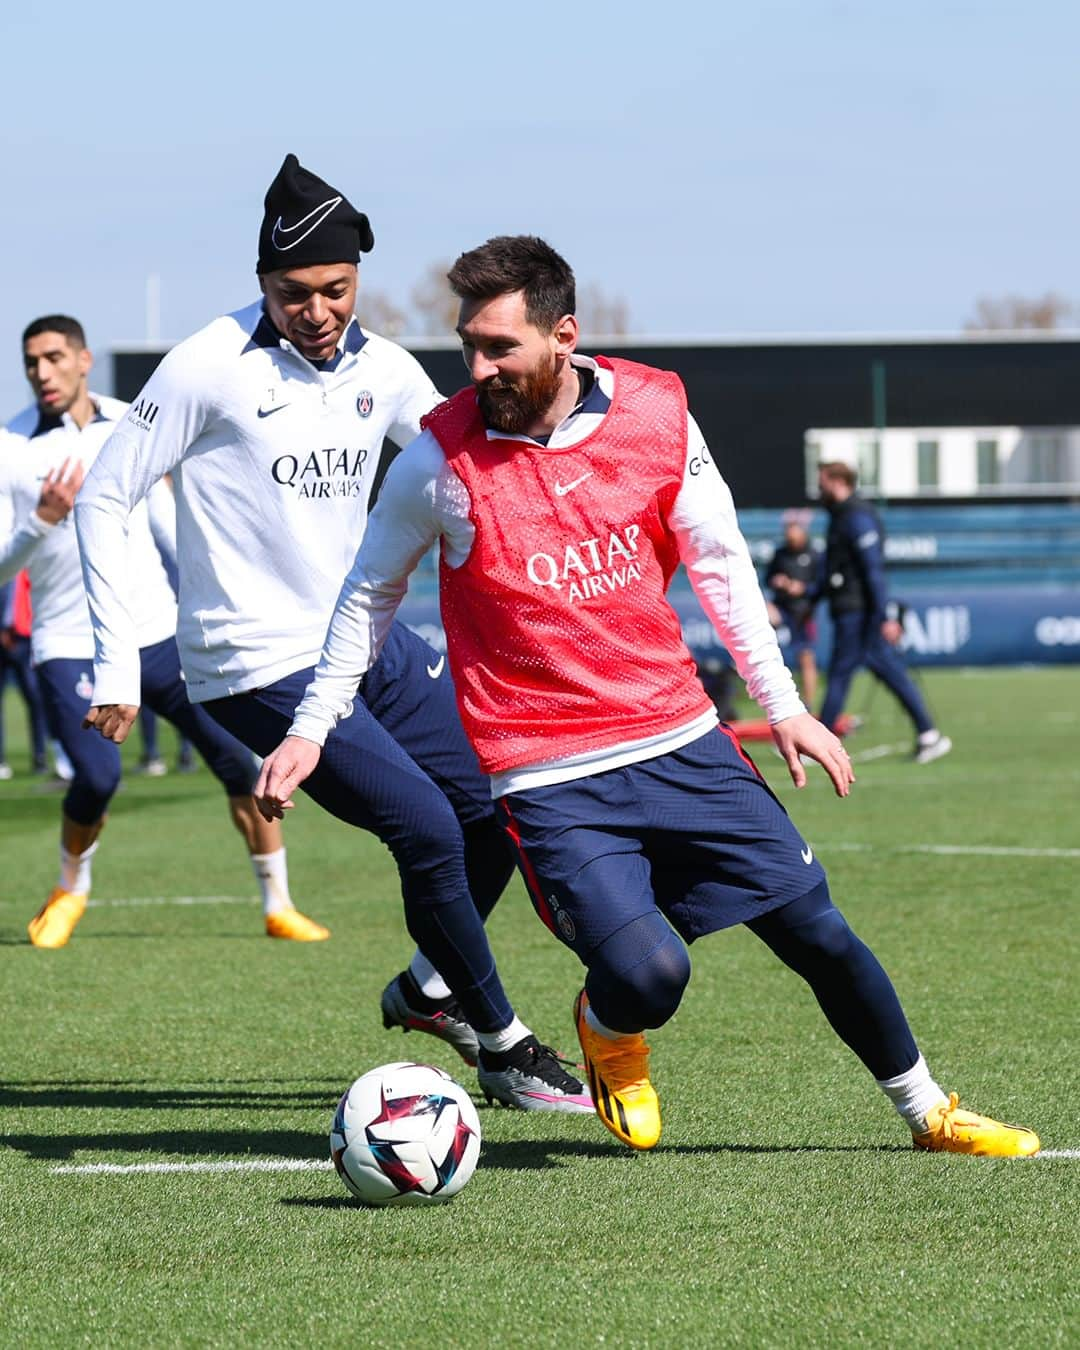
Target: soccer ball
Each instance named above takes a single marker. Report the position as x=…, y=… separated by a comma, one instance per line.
x=405, y=1134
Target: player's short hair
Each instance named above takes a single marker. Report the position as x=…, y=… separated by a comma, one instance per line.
x=63, y=324
x=839, y=471
x=518, y=262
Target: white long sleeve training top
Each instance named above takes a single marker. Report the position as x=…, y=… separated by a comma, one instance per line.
x=423, y=501
x=272, y=462
x=32, y=445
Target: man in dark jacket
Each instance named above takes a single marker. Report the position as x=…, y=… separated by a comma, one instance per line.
x=864, y=631
x=794, y=579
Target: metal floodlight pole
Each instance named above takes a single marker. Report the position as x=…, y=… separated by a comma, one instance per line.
x=878, y=403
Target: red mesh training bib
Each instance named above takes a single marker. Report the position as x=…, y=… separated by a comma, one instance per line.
x=559, y=634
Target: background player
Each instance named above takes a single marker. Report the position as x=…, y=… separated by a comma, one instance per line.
x=563, y=492
x=271, y=422
x=16, y=665
x=794, y=577
x=863, y=632
x=43, y=456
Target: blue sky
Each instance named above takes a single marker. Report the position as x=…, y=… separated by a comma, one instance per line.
x=777, y=166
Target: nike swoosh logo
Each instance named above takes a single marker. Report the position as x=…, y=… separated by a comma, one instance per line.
x=807, y=855
x=561, y=489
x=269, y=412
x=280, y=230
x=436, y=670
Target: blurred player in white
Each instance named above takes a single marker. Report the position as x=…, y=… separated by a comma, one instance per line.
x=44, y=453
x=271, y=421
x=563, y=492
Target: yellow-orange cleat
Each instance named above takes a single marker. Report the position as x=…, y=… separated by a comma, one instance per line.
x=55, y=921
x=950, y=1130
x=618, y=1070
x=297, y=927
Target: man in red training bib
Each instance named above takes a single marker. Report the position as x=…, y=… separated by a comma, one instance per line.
x=563, y=492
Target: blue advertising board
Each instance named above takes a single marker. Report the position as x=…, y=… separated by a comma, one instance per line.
x=967, y=627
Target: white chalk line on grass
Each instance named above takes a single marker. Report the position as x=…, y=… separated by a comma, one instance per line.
x=847, y=846
x=879, y=752
x=177, y=900
x=299, y=1165
x=954, y=850
x=246, y=1165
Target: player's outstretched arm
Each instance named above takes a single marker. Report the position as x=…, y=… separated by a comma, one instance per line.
x=113, y=720
x=805, y=735
x=282, y=772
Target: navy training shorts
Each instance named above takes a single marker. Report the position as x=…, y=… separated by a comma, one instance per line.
x=695, y=833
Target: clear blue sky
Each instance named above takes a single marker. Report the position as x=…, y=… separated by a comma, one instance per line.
x=771, y=166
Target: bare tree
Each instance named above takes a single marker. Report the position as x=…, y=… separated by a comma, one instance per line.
x=1011, y=312
x=379, y=313
x=600, y=313
x=436, y=306
x=433, y=302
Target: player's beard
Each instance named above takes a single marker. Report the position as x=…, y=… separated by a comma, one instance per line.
x=513, y=407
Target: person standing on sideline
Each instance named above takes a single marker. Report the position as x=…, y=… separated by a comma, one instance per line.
x=563, y=492
x=864, y=633
x=44, y=454
x=794, y=578
x=15, y=663
x=270, y=421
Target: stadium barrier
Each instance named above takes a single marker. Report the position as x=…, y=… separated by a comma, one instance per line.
x=969, y=627
x=981, y=585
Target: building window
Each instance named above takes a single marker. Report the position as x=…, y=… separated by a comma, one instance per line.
x=1046, y=466
x=986, y=463
x=927, y=464
x=869, y=463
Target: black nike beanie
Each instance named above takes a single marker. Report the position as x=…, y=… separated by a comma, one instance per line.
x=307, y=222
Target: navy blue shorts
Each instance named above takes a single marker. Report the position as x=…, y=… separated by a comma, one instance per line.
x=67, y=688
x=695, y=833
x=382, y=763
x=802, y=631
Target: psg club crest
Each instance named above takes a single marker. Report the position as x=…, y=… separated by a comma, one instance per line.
x=364, y=403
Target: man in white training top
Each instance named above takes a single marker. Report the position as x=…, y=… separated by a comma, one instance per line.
x=44, y=454
x=271, y=421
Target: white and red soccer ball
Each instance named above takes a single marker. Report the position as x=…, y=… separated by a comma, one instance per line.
x=405, y=1134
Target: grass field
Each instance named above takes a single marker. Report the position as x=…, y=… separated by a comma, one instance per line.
x=784, y=1205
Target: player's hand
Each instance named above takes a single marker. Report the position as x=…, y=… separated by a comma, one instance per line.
x=282, y=772
x=59, y=489
x=892, y=631
x=113, y=720
x=805, y=735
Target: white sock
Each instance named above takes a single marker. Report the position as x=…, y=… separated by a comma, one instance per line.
x=273, y=877
x=501, y=1041
x=428, y=980
x=930, y=737
x=601, y=1029
x=75, y=869
x=913, y=1094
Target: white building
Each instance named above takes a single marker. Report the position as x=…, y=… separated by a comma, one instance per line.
x=936, y=462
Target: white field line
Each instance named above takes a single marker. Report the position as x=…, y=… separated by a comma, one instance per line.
x=879, y=752
x=178, y=900
x=920, y=777
x=834, y=846
x=953, y=850
x=249, y=1165
x=297, y=1165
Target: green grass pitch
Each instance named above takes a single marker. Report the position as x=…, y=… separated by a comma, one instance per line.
x=784, y=1205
